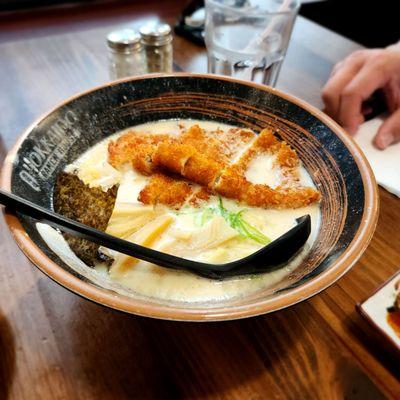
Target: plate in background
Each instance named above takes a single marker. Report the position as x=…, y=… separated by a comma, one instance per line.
x=375, y=309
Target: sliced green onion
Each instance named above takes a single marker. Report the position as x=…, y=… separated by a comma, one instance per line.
x=234, y=220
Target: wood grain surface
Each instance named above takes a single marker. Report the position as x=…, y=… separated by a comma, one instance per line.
x=55, y=345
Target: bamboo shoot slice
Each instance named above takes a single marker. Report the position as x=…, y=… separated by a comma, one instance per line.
x=145, y=236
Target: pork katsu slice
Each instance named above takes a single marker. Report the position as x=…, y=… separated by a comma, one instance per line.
x=150, y=155
x=236, y=141
x=221, y=146
x=135, y=148
x=296, y=197
x=285, y=158
x=166, y=190
x=232, y=183
x=185, y=160
x=215, y=173
x=200, y=156
x=173, y=192
x=204, y=143
x=90, y=206
x=139, y=149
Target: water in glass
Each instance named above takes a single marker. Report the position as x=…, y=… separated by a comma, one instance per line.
x=248, y=38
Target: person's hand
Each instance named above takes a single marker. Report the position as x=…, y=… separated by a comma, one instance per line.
x=355, y=79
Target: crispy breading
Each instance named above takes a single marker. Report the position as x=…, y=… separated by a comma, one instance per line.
x=242, y=164
x=232, y=184
x=163, y=189
x=142, y=159
x=286, y=158
x=203, y=143
x=245, y=135
x=200, y=196
x=187, y=161
x=172, y=156
x=201, y=170
x=234, y=140
x=221, y=146
x=266, y=142
x=205, y=158
x=134, y=147
x=149, y=153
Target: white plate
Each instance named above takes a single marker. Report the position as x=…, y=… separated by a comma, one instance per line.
x=374, y=309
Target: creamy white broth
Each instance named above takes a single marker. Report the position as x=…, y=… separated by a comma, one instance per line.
x=261, y=170
x=149, y=280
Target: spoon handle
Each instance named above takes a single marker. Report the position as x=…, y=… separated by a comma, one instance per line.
x=275, y=253
x=83, y=231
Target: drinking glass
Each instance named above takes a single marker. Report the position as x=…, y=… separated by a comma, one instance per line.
x=248, y=39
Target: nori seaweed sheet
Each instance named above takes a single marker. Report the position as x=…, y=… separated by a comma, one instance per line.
x=90, y=206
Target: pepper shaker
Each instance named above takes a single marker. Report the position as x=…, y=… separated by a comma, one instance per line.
x=126, y=56
x=157, y=43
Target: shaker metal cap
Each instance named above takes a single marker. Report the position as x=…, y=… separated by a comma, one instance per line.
x=156, y=34
x=123, y=40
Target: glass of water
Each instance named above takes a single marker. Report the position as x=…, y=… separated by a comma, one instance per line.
x=248, y=39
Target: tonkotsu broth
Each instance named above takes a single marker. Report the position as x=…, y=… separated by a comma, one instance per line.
x=153, y=281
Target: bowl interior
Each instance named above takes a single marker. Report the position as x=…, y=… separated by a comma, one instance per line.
x=69, y=130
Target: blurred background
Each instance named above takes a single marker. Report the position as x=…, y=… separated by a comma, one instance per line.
x=370, y=23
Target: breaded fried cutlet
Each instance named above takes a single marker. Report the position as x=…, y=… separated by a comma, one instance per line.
x=187, y=161
x=135, y=148
x=172, y=156
x=235, y=140
x=286, y=159
x=232, y=184
x=289, y=194
x=267, y=143
x=206, y=160
x=173, y=192
x=163, y=189
x=204, y=144
x=203, y=171
x=221, y=146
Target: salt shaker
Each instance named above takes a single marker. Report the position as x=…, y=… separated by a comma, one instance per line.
x=157, y=42
x=126, y=56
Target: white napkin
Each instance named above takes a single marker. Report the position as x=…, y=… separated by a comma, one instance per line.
x=384, y=163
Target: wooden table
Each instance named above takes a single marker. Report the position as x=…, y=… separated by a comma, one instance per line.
x=55, y=345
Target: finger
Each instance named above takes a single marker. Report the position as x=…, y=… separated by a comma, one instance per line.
x=389, y=132
x=391, y=96
x=336, y=68
x=370, y=78
x=340, y=77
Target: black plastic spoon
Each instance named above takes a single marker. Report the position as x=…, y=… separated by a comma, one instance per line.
x=270, y=256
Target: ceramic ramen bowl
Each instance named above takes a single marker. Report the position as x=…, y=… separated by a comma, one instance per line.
x=349, y=205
